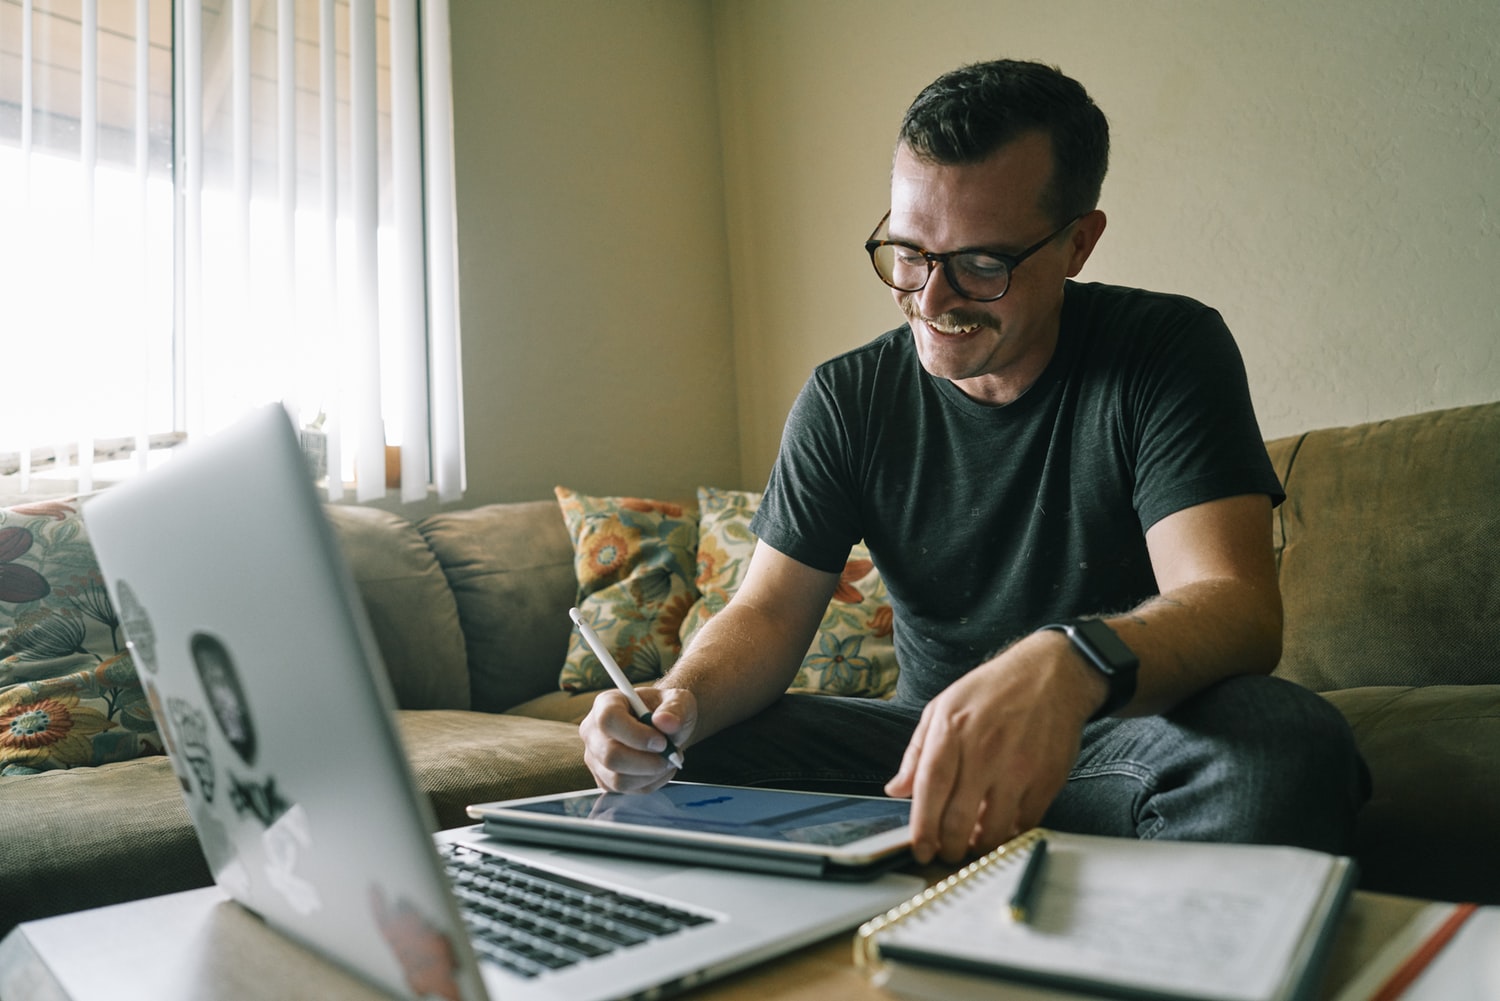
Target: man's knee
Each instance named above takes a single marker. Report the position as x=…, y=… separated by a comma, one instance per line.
x=1289, y=758
x=1275, y=722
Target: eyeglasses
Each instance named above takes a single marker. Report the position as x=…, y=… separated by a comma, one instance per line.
x=974, y=273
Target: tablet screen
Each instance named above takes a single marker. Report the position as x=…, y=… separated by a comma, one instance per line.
x=762, y=814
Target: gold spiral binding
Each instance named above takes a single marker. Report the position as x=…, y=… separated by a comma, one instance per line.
x=867, y=949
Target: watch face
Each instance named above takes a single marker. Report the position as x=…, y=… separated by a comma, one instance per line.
x=1109, y=646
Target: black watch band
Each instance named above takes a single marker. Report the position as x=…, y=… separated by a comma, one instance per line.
x=1104, y=649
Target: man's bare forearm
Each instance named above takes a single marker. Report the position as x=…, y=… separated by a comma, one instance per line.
x=744, y=657
x=736, y=665
x=1198, y=634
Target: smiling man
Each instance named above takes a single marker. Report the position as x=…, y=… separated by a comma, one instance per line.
x=1066, y=492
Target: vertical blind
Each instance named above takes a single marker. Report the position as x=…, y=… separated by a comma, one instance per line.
x=85, y=157
x=283, y=170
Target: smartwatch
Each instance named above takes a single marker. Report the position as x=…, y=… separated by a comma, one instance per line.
x=1104, y=649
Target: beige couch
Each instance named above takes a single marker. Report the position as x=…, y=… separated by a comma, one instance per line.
x=1388, y=549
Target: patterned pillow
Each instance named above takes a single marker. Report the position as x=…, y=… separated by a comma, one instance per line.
x=635, y=567
x=69, y=694
x=853, y=653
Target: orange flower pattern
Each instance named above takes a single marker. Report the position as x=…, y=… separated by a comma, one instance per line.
x=664, y=508
x=853, y=652
x=605, y=556
x=669, y=624
x=854, y=571
x=635, y=564
x=69, y=693
x=48, y=731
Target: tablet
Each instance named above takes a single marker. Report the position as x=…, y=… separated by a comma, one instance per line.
x=766, y=830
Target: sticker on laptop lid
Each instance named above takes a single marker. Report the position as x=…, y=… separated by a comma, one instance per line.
x=140, y=637
x=284, y=843
x=226, y=696
x=428, y=960
x=261, y=800
x=191, y=727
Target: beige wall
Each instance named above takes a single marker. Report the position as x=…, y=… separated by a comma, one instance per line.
x=1324, y=173
x=594, y=286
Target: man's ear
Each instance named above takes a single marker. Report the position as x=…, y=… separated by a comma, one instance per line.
x=1084, y=237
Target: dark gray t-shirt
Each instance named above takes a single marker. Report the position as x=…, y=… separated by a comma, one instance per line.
x=988, y=522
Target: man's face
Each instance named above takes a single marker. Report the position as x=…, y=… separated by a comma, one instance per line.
x=992, y=351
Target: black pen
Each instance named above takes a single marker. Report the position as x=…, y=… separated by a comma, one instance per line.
x=1021, y=903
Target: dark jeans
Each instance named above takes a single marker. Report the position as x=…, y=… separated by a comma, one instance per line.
x=1251, y=759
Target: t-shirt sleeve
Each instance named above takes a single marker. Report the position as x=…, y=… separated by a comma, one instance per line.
x=810, y=510
x=1193, y=422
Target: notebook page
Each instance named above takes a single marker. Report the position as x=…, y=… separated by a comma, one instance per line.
x=1210, y=921
x=1466, y=968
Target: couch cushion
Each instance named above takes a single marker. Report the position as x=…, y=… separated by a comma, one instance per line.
x=510, y=567
x=568, y=707
x=1387, y=548
x=411, y=609
x=852, y=653
x=69, y=693
x=467, y=757
x=1429, y=828
x=93, y=836
x=635, y=561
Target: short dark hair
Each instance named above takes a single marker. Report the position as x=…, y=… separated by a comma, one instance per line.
x=965, y=115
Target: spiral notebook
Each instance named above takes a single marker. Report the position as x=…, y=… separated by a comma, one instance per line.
x=1120, y=918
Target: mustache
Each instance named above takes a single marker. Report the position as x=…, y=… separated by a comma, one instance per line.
x=952, y=318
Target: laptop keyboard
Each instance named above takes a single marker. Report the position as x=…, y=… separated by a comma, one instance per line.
x=530, y=920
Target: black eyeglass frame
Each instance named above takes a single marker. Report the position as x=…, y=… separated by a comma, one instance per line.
x=1011, y=261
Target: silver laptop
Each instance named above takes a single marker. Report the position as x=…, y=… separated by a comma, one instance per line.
x=255, y=651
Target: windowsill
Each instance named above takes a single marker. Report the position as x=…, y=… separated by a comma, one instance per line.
x=40, y=491
x=52, y=488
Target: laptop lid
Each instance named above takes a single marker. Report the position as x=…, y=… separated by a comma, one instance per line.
x=255, y=651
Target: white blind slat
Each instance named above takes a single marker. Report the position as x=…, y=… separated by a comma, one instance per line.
x=409, y=267
x=27, y=287
x=285, y=336
x=364, y=187
x=442, y=256
x=88, y=157
x=142, y=312
x=288, y=280
x=330, y=339
x=189, y=381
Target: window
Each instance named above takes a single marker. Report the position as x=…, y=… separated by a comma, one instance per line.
x=210, y=204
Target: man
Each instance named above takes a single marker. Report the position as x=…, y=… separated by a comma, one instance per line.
x=1027, y=452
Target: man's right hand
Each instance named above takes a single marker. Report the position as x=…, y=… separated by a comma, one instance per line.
x=623, y=753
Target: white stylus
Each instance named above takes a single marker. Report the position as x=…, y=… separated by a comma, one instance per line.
x=616, y=675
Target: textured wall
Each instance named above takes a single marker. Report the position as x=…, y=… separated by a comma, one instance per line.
x=1327, y=175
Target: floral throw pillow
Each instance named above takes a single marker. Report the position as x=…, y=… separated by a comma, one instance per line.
x=853, y=653
x=69, y=694
x=635, y=564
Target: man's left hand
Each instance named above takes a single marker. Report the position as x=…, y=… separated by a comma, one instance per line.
x=993, y=749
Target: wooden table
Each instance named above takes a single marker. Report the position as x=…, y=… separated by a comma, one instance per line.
x=216, y=950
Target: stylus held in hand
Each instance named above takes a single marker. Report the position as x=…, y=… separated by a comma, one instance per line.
x=616, y=675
